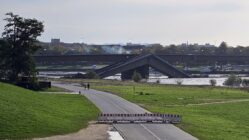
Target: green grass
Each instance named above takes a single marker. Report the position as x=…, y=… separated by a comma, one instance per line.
x=228, y=121
x=54, y=89
x=27, y=114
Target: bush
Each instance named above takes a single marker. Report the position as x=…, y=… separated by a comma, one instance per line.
x=213, y=82
x=245, y=83
x=136, y=77
x=233, y=80
x=179, y=81
x=91, y=75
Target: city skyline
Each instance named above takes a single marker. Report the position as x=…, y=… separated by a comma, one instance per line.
x=140, y=21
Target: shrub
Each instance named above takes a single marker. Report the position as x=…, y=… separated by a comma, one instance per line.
x=213, y=82
x=233, y=80
x=245, y=82
x=91, y=75
x=136, y=77
x=179, y=81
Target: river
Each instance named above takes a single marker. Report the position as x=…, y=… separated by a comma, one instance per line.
x=220, y=79
x=153, y=78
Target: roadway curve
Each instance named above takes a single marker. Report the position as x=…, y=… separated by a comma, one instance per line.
x=109, y=103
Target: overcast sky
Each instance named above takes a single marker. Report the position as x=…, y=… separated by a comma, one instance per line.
x=137, y=21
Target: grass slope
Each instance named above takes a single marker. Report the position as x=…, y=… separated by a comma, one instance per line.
x=54, y=89
x=227, y=121
x=27, y=114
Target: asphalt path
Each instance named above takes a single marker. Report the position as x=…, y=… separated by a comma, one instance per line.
x=110, y=103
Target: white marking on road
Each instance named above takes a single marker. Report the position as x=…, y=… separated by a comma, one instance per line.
x=153, y=134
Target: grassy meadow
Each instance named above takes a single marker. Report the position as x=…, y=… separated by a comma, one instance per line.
x=209, y=113
x=27, y=114
x=54, y=89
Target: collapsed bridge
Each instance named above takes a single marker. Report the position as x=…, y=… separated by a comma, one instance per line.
x=141, y=65
x=84, y=63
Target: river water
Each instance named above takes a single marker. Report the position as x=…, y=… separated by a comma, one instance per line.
x=184, y=81
x=153, y=78
x=188, y=81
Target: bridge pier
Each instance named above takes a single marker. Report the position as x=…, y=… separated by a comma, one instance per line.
x=143, y=70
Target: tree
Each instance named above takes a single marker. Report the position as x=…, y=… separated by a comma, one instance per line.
x=233, y=80
x=4, y=61
x=213, y=82
x=172, y=49
x=205, y=51
x=222, y=49
x=245, y=82
x=136, y=77
x=238, y=50
x=91, y=75
x=20, y=35
x=179, y=81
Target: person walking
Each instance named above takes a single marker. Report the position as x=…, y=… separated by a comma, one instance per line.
x=88, y=86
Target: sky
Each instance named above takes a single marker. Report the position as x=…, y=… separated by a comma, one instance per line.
x=137, y=21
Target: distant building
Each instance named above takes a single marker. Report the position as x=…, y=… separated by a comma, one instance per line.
x=209, y=45
x=55, y=41
x=184, y=45
x=196, y=45
x=130, y=46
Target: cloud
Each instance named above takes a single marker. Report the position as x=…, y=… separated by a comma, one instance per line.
x=162, y=21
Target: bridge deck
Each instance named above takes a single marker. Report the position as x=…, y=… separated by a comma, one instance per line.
x=151, y=60
x=111, y=58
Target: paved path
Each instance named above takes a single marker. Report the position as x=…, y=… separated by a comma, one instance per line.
x=109, y=103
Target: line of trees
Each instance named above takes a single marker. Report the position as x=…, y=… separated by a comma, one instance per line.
x=223, y=49
x=77, y=49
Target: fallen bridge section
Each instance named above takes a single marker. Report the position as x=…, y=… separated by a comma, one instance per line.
x=141, y=65
x=139, y=118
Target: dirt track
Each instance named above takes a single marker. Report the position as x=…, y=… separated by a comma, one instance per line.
x=92, y=132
